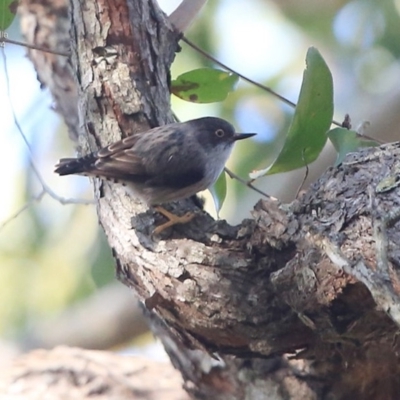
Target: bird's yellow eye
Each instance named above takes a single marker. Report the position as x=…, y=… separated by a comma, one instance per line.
x=220, y=133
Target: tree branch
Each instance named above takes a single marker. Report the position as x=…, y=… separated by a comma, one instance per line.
x=185, y=13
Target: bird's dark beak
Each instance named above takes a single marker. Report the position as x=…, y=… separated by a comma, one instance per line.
x=241, y=136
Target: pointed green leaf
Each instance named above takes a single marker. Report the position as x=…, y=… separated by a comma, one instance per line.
x=346, y=141
x=307, y=133
x=8, y=10
x=204, y=85
x=218, y=192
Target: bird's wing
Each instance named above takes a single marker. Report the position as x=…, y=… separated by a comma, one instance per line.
x=119, y=160
x=165, y=165
x=116, y=161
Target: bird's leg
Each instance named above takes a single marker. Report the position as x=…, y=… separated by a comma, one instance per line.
x=172, y=219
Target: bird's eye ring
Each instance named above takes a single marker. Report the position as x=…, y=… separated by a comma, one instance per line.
x=220, y=133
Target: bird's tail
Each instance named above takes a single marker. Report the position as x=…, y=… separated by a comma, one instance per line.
x=82, y=165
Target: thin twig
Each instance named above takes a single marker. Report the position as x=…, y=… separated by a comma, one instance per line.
x=245, y=78
x=246, y=183
x=23, y=208
x=259, y=85
x=45, y=188
x=33, y=47
x=305, y=175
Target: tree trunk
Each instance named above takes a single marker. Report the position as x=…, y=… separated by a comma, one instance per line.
x=299, y=302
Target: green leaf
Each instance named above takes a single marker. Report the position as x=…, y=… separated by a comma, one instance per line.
x=218, y=192
x=204, y=85
x=8, y=10
x=307, y=133
x=346, y=141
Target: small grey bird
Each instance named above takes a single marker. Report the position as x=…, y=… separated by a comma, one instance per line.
x=164, y=164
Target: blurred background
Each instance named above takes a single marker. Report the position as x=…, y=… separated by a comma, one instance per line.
x=56, y=269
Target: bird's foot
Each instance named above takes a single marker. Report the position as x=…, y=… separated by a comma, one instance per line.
x=172, y=219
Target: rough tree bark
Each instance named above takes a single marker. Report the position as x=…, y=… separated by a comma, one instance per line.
x=299, y=302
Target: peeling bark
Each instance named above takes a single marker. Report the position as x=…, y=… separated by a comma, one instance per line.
x=299, y=302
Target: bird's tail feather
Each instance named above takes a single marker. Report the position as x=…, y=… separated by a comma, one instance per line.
x=82, y=165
